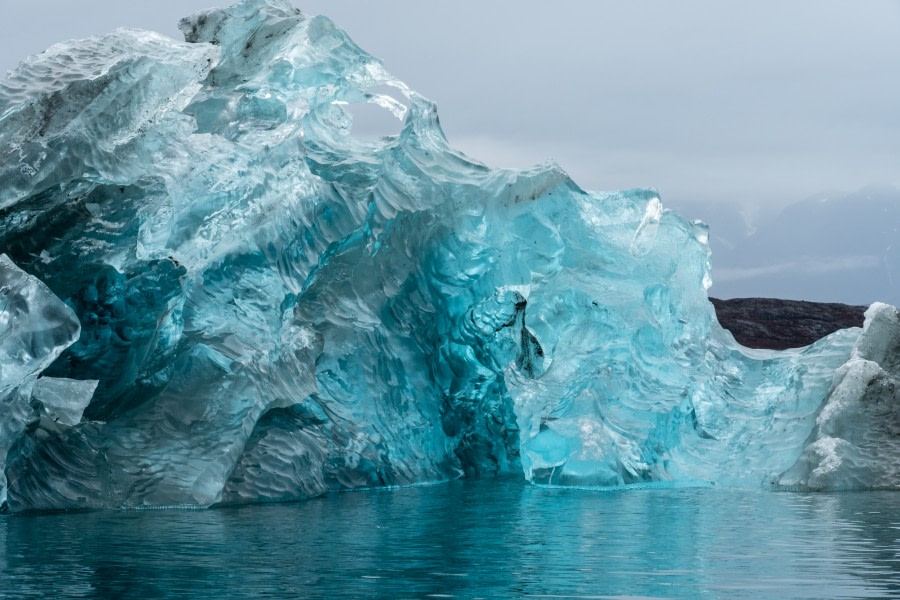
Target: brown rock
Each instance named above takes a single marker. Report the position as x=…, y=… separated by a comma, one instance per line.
x=778, y=324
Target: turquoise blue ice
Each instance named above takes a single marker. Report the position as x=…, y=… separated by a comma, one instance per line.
x=271, y=308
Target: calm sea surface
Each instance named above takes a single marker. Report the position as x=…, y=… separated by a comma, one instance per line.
x=468, y=539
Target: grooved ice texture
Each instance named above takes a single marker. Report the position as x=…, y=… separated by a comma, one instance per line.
x=271, y=307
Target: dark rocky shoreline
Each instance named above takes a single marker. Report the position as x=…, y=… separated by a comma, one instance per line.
x=779, y=324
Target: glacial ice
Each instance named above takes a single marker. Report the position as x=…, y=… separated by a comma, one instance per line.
x=271, y=308
x=856, y=440
x=35, y=327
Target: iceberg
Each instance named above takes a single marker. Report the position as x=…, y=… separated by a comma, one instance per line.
x=232, y=298
x=856, y=440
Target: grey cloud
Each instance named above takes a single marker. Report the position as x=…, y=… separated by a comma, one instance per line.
x=807, y=265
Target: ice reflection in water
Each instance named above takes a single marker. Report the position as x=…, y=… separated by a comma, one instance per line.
x=466, y=539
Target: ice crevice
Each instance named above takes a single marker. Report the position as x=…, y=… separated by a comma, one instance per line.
x=212, y=292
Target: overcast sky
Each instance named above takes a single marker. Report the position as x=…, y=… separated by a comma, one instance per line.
x=750, y=105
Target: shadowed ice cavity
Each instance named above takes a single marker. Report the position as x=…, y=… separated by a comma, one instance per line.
x=272, y=308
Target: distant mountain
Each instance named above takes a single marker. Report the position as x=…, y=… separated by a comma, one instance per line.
x=831, y=248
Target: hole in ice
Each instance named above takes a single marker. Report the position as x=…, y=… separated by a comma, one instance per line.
x=382, y=115
x=395, y=92
x=371, y=121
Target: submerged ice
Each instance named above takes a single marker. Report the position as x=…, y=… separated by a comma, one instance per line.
x=212, y=292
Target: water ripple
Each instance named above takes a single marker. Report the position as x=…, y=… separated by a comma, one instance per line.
x=470, y=539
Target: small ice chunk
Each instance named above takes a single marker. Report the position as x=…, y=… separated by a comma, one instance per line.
x=64, y=400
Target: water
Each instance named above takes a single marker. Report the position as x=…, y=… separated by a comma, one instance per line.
x=467, y=539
